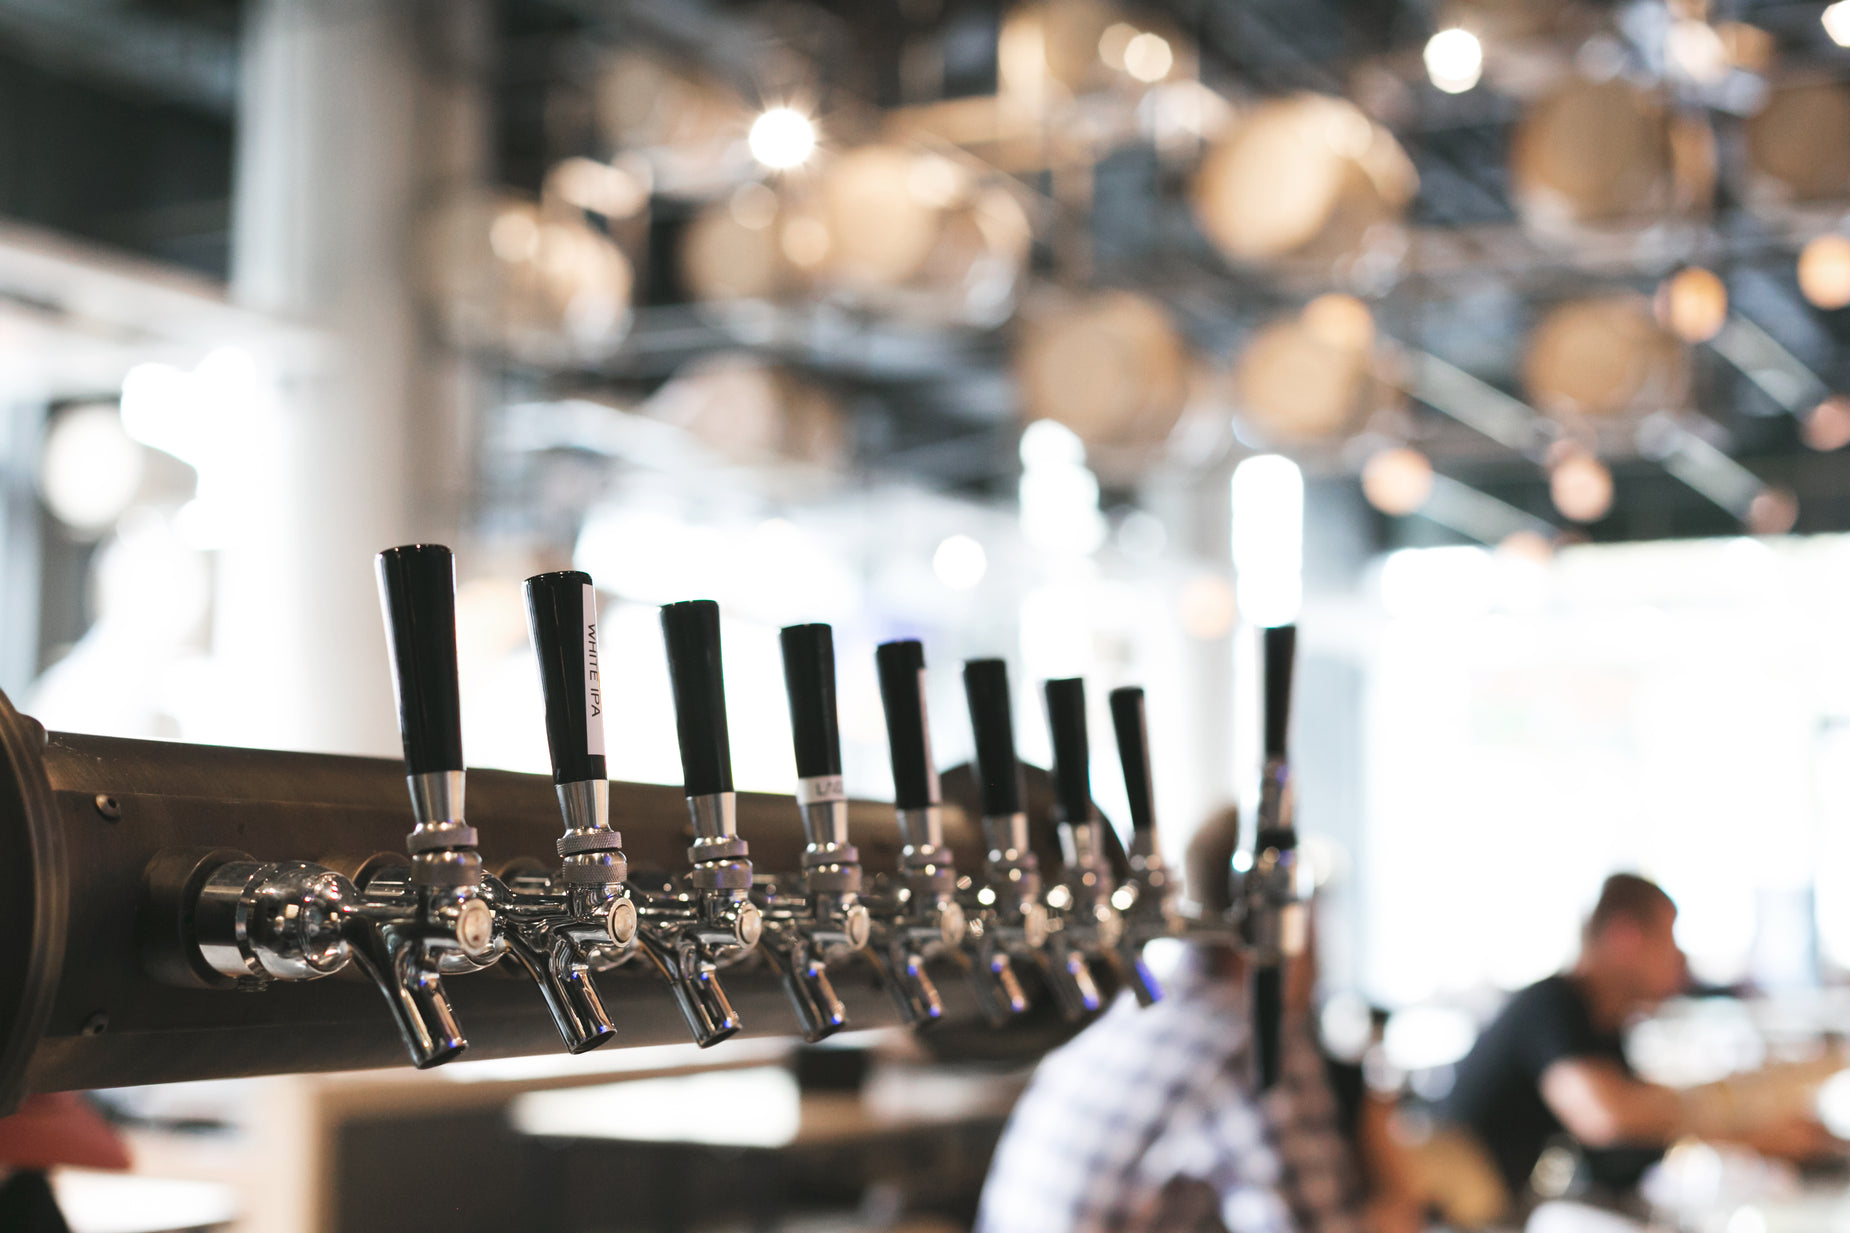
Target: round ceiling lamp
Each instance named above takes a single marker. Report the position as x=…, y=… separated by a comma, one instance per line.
x=1111, y=367
x=731, y=250
x=1308, y=175
x=685, y=125
x=1798, y=144
x=883, y=226
x=1308, y=378
x=1340, y=321
x=1605, y=154
x=915, y=234
x=1692, y=304
x=1580, y=486
x=750, y=412
x=1603, y=356
x=1397, y=481
x=1824, y=271
x=540, y=284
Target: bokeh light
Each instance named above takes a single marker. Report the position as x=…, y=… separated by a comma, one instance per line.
x=1454, y=60
x=1397, y=481
x=782, y=138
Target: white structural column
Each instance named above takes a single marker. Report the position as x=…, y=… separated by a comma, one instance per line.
x=341, y=140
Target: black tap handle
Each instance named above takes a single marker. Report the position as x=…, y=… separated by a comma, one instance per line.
x=908, y=735
x=1127, y=717
x=1281, y=644
x=986, y=685
x=562, y=617
x=691, y=629
x=417, y=590
x=1072, y=754
x=809, y=680
x=1268, y=1023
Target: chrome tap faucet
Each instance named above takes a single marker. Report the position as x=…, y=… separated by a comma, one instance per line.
x=1274, y=920
x=1005, y=909
x=1147, y=899
x=826, y=920
x=915, y=911
x=705, y=919
x=561, y=929
x=1085, y=923
x=410, y=924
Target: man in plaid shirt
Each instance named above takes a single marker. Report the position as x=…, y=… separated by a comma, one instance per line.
x=1148, y=1119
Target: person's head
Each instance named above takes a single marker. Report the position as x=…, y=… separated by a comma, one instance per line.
x=1630, y=940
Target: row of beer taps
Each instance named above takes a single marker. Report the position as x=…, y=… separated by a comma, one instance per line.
x=439, y=913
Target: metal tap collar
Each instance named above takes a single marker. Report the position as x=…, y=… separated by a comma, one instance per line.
x=585, y=805
x=436, y=798
x=1007, y=833
x=922, y=828
x=715, y=815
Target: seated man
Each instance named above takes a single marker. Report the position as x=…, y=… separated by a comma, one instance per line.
x=1148, y=1120
x=1552, y=1064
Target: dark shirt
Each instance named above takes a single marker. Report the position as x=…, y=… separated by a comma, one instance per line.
x=1497, y=1095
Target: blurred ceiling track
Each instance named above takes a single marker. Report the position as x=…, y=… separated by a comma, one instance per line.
x=75, y=317
x=127, y=44
x=1680, y=443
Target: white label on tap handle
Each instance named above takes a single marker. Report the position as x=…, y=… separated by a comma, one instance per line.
x=594, y=685
x=820, y=790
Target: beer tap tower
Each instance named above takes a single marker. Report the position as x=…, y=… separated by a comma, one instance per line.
x=135, y=918
x=1274, y=920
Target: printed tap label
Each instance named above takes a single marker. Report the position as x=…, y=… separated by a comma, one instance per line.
x=594, y=686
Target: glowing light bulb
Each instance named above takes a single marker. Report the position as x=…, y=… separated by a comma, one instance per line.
x=1773, y=511
x=1397, y=481
x=1827, y=426
x=1693, y=304
x=782, y=138
x=1696, y=49
x=1148, y=57
x=1824, y=268
x=1454, y=60
x=1836, y=19
x=1581, y=487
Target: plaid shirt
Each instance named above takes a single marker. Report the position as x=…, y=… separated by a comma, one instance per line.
x=1147, y=1122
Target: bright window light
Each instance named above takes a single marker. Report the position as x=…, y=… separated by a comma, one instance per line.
x=680, y=1109
x=1268, y=538
x=782, y=138
x=1454, y=60
x=1059, y=494
x=91, y=468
